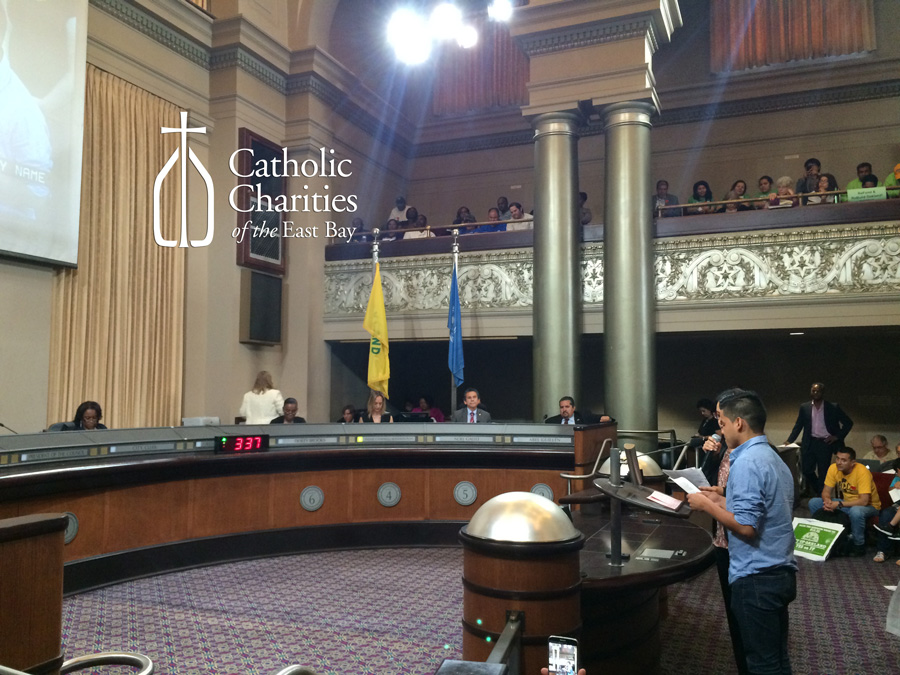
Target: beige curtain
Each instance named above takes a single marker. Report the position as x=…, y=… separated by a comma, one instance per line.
x=752, y=33
x=117, y=320
x=492, y=74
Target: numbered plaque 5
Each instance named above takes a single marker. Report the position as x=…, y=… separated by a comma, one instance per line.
x=464, y=493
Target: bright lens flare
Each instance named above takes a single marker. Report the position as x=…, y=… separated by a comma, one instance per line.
x=500, y=10
x=408, y=35
x=467, y=37
x=445, y=22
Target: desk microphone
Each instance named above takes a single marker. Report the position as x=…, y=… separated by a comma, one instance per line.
x=6, y=427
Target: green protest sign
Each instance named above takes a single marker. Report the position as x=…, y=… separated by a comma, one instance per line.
x=814, y=538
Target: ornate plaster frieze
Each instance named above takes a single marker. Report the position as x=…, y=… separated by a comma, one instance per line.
x=237, y=56
x=573, y=37
x=488, y=280
x=690, y=271
x=148, y=25
x=837, y=262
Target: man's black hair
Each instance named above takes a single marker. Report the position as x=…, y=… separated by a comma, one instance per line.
x=847, y=451
x=745, y=404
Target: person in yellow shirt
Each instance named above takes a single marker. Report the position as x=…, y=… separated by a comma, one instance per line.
x=856, y=495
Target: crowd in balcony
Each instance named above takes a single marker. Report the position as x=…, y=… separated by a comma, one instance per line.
x=812, y=188
x=405, y=221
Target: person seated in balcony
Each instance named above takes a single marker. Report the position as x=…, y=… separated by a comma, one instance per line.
x=702, y=194
x=827, y=183
x=409, y=220
x=862, y=171
x=519, y=220
x=495, y=224
x=463, y=216
x=586, y=215
x=766, y=186
x=784, y=196
x=893, y=180
x=733, y=205
x=360, y=232
x=503, y=208
x=88, y=416
x=739, y=189
x=398, y=213
x=664, y=198
x=421, y=221
x=871, y=181
x=810, y=180
x=391, y=231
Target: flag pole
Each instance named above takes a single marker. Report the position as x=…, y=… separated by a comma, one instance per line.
x=375, y=249
x=455, y=250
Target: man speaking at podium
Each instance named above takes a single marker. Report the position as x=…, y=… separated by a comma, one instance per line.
x=757, y=511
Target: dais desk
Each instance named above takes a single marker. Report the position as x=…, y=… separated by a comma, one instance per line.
x=143, y=501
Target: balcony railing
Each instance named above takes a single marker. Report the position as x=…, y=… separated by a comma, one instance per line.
x=841, y=251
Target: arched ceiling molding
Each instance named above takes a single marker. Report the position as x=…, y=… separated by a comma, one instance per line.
x=309, y=23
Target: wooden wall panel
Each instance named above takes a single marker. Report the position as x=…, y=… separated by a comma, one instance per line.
x=488, y=483
x=230, y=504
x=90, y=509
x=147, y=515
x=285, y=496
x=413, y=485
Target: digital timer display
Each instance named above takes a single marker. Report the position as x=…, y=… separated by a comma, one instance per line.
x=238, y=445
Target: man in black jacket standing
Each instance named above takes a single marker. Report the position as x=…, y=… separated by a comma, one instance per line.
x=824, y=426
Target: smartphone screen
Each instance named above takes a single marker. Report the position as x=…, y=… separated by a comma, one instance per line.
x=563, y=655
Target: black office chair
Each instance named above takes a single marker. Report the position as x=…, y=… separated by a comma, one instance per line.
x=62, y=426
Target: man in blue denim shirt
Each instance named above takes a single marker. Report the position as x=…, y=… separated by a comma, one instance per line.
x=757, y=511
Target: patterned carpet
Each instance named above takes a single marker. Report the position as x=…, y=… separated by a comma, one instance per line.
x=397, y=611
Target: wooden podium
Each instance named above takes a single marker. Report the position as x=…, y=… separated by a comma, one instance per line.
x=31, y=588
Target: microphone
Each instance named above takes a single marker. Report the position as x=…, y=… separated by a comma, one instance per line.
x=716, y=437
x=6, y=427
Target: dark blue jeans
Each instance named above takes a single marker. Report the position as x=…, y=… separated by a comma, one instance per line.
x=760, y=605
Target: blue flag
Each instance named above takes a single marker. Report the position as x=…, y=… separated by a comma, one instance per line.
x=454, y=323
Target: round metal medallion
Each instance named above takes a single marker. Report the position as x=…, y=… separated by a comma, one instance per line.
x=543, y=490
x=389, y=494
x=465, y=493
x=312, y=498
x=71, y=527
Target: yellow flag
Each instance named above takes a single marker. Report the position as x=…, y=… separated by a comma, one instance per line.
x=376, y=324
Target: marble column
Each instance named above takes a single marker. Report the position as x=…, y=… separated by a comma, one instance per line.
x=629, y=303
x=558, y=294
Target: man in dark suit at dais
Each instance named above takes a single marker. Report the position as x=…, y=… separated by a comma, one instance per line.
x=568, y=414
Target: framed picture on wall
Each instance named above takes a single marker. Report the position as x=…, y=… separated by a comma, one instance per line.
x=261, y=247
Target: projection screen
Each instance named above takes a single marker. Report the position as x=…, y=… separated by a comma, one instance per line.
x=42, y=73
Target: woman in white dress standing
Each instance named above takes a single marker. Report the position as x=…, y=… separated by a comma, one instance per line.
x=263, y=403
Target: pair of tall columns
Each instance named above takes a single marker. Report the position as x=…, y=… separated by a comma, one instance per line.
x=628, y=289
